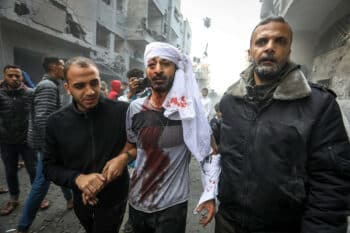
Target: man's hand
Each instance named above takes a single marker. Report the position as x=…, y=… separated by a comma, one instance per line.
x=90, y=184
x=89, y=200
x=133, y=85
x=115, y=167
x=209, y=208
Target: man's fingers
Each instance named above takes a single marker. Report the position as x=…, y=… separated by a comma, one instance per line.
x=105, y=169
x=207, y=218
x=83, y=198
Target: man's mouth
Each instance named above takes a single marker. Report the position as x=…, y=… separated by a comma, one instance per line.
x=89, y=100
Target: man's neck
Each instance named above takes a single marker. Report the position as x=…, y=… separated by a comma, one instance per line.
x=157, y=98
x=53, y=76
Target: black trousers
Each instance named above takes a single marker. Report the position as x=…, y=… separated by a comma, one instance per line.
x=170, y=220
x=9, y=155
x=100, y=219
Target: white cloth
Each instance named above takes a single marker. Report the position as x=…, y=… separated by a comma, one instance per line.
x=210, y=173
x=183, y=100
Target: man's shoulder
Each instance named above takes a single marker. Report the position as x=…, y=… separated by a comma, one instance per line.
x=117, y=105
x=46, y=83
x=322, y=89
x=61, y=114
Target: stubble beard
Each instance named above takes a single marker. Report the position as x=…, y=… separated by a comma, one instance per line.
x=268, y=72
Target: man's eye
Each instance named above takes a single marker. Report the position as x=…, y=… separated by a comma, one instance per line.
x=260, y=42
x=151, y=65
x=165, y=63
x=281, y=41
x=79, y=85
x=94, y=83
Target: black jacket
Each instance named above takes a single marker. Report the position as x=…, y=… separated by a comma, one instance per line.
x=15, y=106
x=286, y=166
x=81, y=143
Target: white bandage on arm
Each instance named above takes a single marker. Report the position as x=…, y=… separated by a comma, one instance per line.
x=210, y=172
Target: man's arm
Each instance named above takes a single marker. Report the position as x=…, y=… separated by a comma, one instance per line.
x=328, y=169
x=45, y=103
x=115, y=166
x=52, y=165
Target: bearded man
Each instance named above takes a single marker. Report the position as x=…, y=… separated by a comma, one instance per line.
x=284, y=150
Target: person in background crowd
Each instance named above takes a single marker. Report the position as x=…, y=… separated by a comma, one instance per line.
x=206, y=102
x=123, y=88
x=46, y=100
x=115, y=88
x=136, y=89
x=81, y=140
x=27, y=80
x=215, y=123
x=104, y=88
x=15, y=105
x=285, y=154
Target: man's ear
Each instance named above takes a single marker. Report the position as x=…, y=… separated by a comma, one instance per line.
x=250, y=59
x=66, y=86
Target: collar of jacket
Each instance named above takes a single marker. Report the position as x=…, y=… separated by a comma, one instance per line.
x=46, y=76
x=4, y=86
x=293, y=86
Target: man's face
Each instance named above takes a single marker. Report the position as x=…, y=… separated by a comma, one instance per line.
x=270, y=49
x=160, y=73
x=204, y=92
x=13, y=77
x=83, y=83
x=58, y=69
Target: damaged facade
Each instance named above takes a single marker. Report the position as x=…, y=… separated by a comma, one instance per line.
x=113, y=33
x=321, y=39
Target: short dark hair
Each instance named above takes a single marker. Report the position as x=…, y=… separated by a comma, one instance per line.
x=83, y=62
x=11, y=67
x=217, y=107
x=205, y=89
x=134, y=73
x=278, y=19
x=47, y=61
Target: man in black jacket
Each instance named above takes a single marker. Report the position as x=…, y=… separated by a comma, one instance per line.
x=80, y=140
x=15, y=104
x=285, y=153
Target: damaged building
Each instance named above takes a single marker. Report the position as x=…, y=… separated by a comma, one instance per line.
x=113, y=33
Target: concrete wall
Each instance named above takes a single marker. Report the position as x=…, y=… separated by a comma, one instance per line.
x=334, y=66
x=303, y=48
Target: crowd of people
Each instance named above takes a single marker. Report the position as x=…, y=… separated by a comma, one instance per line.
x=275, y=157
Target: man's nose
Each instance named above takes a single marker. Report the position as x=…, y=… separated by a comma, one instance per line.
x=270, y=46
x=158, y=68
x=90, y=90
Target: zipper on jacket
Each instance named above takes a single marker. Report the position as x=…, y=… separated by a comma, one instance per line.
x=248, y=158
x=93, y=143
x=91, y=126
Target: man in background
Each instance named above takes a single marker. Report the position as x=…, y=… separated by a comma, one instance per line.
x=15, y=106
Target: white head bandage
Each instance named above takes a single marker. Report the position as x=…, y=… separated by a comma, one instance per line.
x=183, y=100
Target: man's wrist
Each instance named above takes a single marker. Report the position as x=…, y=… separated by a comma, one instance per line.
x=129, y=156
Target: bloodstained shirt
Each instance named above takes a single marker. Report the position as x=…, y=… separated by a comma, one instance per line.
x=161, y=176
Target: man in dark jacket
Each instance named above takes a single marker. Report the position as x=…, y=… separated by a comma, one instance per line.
x=46, y=100
x=81, y=139
x=285, y=153
x=15, y=104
